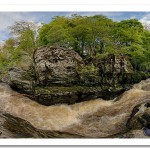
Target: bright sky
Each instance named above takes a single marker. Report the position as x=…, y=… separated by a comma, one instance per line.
x=8, y=18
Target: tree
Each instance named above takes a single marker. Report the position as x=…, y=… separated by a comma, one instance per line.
x=6, y=53
x=26, y=42
x=90, y=36
x=21, y=46
x=101, y=28
x=126, y=33
x=55, y=33
x=20, y=26
x=25, y=36
x=86, y=35
x=9, y=44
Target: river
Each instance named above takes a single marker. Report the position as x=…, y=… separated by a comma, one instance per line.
x=94, y=118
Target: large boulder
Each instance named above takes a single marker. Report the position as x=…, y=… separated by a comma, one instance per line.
x=59, y=75
x=56, y=65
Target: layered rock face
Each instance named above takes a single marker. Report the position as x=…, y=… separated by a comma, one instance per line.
x=22, y=117
x=55, y=65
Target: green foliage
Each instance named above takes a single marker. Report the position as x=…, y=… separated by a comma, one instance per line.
x=26, y=42
x=90, y=36
x=101, y=56
x=131, y=39
x=89, y=70
x=86, y=35
x=136, y=77
x=99, y=36
x=16, y=49
x=6, y=54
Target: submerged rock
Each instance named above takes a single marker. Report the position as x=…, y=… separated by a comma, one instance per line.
x=73, y=94
x=132, y=134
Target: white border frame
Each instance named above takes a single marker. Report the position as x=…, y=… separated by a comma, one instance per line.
x=77, y=6
x=75, y=2
x=75, y=142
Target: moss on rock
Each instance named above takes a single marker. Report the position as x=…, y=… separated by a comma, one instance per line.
x=69, y=95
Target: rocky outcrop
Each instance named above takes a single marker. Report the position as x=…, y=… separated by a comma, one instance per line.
x=60, y=75
x=56, y=65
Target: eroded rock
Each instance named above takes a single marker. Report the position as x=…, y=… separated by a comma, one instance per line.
x=56, y=65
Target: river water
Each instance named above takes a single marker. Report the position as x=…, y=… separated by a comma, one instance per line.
x=94, y=118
